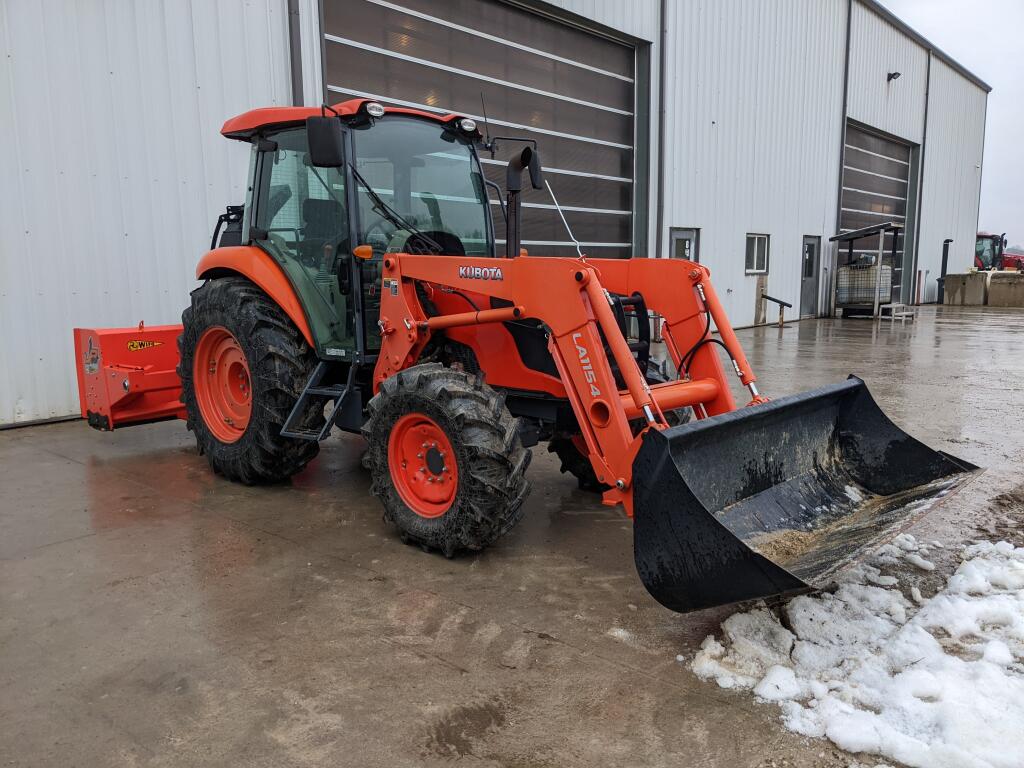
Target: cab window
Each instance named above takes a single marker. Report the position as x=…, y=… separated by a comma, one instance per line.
x=302, y=210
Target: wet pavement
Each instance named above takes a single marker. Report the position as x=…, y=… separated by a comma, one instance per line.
x=153, y=614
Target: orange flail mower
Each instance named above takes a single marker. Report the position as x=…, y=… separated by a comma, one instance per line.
x=360, y=287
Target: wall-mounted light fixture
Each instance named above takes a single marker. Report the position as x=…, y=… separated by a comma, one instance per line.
x=892, y=76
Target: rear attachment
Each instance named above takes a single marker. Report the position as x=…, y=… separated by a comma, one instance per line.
x=128, y=375
x=777, y=499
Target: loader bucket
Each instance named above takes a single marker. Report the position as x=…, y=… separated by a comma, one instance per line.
x=777, y=499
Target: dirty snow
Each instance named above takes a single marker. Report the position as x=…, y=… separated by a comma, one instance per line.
x=936, y=683
x=620, y=634
x=905, y=547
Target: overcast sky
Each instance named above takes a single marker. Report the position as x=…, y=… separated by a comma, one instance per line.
x=985, y=36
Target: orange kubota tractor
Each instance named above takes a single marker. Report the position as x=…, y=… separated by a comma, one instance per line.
x=360, y=287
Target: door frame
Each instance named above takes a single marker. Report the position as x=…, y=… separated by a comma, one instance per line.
x=817, y=276
x=674, y=231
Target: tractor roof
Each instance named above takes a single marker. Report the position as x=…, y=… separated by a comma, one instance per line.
x=247, y=124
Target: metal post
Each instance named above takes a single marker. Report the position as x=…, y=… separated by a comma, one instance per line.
x=942, y=274
x=295, y=52
x=878, y=270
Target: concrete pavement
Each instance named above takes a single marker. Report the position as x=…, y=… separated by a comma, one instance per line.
x=154, y=614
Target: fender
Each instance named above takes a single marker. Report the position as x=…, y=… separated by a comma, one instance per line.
x=256, y=265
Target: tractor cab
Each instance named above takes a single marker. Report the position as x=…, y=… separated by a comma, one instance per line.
x=354, y=179
x=988, y=250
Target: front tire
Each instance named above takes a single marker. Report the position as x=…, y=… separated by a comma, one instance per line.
x=243, y=365
x=446, y=459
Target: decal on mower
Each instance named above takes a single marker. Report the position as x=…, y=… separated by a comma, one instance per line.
x=481, y=273
x=588, y=369
x=90, y=358
x=137, y=345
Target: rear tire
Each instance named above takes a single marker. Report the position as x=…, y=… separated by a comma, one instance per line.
x=472, y=441
x=278, y=363
x=575, y=462
x=572, y=460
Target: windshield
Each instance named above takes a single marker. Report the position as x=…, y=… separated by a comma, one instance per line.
x=430, y=177
x=983, y=252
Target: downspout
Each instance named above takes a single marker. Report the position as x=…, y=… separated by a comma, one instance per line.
x=660, y=218
x=295, y=51
x=830, y=300
x=920, y=184
x=321, y=26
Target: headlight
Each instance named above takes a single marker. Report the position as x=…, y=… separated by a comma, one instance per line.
x=373, y=109
x=467, y=124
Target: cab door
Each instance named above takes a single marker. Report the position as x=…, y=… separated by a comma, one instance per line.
x=301, y=220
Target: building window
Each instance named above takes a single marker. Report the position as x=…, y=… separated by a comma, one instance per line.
x=757, y=255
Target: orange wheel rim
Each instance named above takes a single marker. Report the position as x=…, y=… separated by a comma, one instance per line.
x=422, y=465
x=223, y=384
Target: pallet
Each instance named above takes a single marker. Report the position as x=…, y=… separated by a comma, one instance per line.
x=901, y=312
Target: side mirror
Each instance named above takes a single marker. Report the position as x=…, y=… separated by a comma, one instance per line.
x=536, y=177
x=326, y=142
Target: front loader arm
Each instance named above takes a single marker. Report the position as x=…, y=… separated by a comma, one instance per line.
x=682, y=293
x=570, y=297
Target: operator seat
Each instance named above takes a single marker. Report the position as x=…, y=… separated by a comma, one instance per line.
x=323, y=221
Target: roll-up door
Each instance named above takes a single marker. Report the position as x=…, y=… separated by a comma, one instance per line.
x=876, y=182
x=571, y=90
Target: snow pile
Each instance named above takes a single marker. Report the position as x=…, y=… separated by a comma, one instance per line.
x=935, y=685
x=905, y=547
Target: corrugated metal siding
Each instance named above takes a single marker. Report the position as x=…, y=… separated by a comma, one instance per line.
x=951, y=184
x=754, y=98
x=876, y=49
x=115, y=170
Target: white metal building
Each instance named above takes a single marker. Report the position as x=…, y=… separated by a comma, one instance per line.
x=741, y=134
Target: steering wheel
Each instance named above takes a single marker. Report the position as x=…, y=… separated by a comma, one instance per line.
x=380, y=227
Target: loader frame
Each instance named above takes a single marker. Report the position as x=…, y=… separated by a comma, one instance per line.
x=571, y=297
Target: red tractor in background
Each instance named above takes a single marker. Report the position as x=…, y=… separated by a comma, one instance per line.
x=991, y=252
x=360, y=286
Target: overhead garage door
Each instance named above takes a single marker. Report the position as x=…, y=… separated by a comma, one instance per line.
x=569, y=89
x=876, y=181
